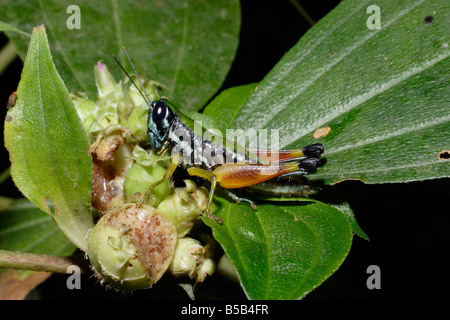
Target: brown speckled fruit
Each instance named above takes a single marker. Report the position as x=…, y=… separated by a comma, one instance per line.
x=131, y=247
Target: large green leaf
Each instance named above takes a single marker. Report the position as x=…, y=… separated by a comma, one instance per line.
x=282, y=251
x=227, y=104
x=383, y=93
x=25, y=228
x=48, y=146
x=186, y=45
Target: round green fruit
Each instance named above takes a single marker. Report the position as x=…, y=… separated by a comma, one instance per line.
x=131, y=247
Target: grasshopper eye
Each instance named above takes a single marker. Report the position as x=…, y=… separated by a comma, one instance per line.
x=159, y=112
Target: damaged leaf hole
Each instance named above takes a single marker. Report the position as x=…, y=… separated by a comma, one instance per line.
x=50, y=206
x=428, y=19
x=444, y=155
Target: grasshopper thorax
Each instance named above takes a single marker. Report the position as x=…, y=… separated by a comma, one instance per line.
x=160, y=117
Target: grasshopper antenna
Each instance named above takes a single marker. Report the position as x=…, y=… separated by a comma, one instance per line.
x=144, y=95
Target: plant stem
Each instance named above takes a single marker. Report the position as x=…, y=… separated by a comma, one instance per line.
x=7, y=55
x=39, y=262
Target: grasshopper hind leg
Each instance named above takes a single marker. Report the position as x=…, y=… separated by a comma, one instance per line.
x=308, y=165
x=313, y=150
x=285, y=186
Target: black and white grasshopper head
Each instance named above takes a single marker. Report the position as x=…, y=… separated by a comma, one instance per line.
x=160, y=117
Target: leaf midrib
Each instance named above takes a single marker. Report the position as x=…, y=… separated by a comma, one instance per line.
x=357, y=101
x=116, y=20
x=318, y=248
x=259, y=99
x=344, y=54
x=182, y=46
x=25, y=225
x=392, y=134
x=238, y=249
x=63, y=53
x=383, y=169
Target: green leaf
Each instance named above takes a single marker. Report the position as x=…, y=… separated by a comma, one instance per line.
x=382, y=92
x=282, y=251
x=227, y=104
x=188, y=46
x=25, y=228
x=339, y=203
x=48, y=146
x=334, y=198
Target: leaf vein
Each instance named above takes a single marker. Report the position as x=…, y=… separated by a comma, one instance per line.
x=23, y=226
x=396, y=133
x=384, y=169
x=116, y=20
x=42, y=239
x=361, y=99
x=182, y=47
x=319, y=246
x=269, y=255
x=62, y=52
x=263, y=92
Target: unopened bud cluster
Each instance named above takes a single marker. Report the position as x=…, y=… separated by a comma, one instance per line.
x=132, y=246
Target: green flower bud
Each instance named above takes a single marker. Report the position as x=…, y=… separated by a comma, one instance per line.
x=104, y=80
x=147, y=170
x=151, y=87
x=88, y=111
x=149, y=158
x=94, y=117
x=116, y=107
x=131, y=247
x=137, y=123
x=191, y=259
x=113, y=98
x=184, y=206
x=206, y=269
x=189, y=255
x=125, y=105
x=226, y=268
x=119, y=104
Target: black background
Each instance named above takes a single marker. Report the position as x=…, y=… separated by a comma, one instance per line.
x=407, y=223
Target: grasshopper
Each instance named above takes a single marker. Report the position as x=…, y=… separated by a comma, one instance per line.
x=272, y=172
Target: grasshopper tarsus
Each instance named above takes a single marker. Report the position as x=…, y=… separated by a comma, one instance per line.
x=238, y=199
x=213, y=217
